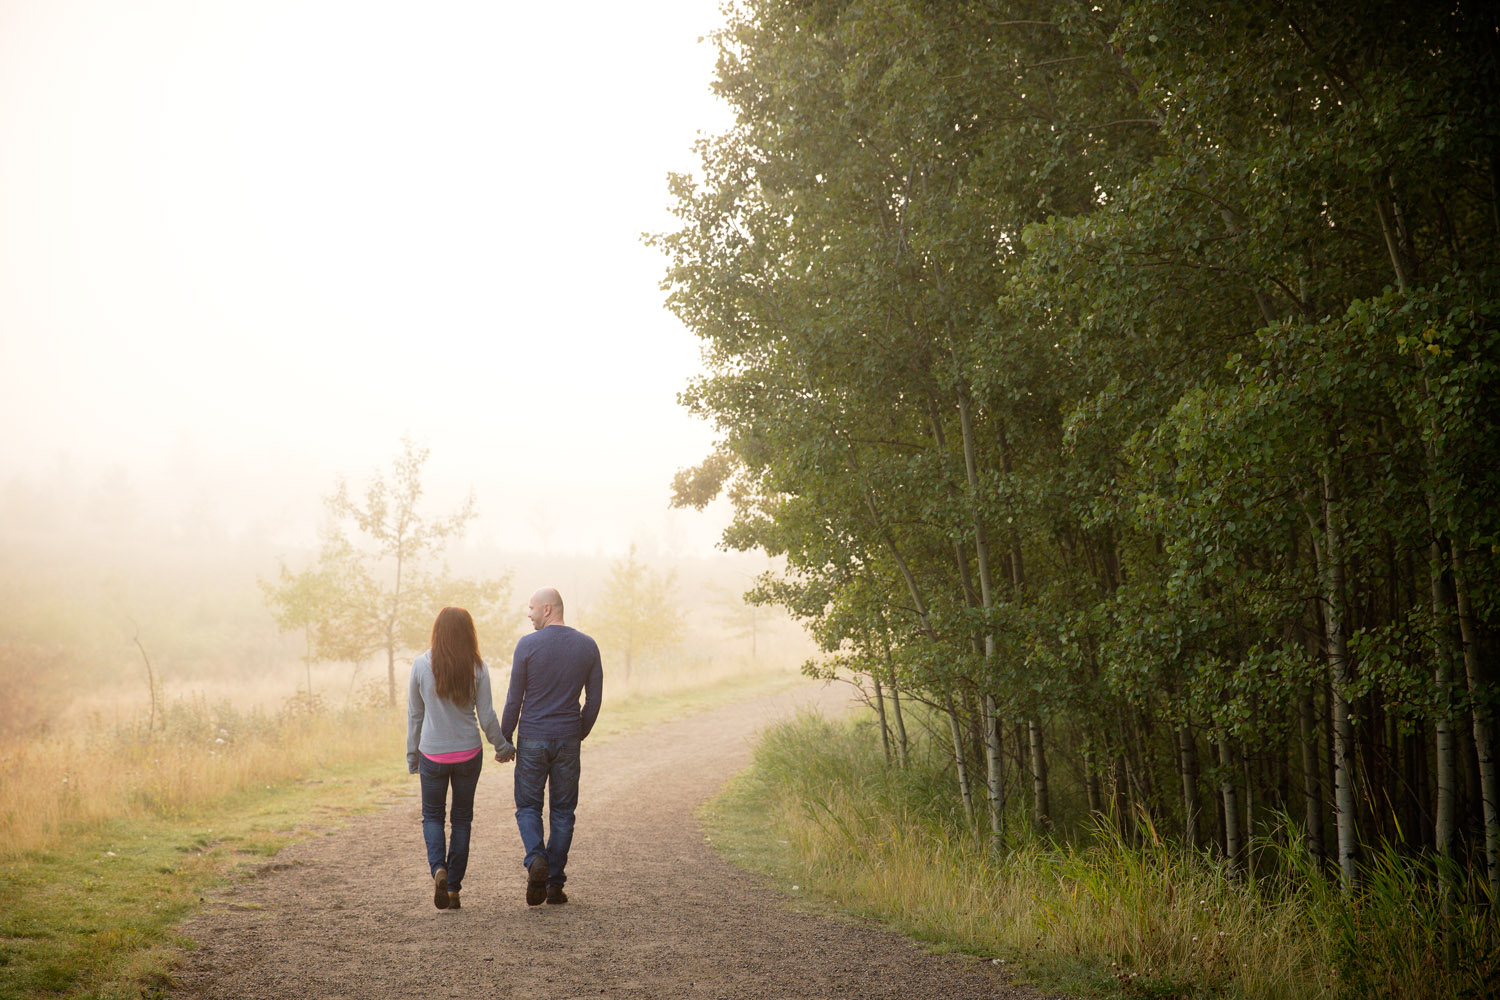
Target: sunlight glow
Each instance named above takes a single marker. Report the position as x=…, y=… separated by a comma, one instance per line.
x=247, y=246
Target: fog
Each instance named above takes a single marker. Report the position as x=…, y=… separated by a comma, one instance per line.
x=247, y=247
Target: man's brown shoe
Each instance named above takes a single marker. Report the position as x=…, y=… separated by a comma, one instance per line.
x=556, y=895
x=453, y=901
x=440, y=888
x=536, y=880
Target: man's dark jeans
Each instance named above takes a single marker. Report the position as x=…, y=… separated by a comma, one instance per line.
x=552, y=765
x=464, y=777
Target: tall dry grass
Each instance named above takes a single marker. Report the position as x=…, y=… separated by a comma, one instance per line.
x=197, y=753
x=107, y=758
x=1152, y=919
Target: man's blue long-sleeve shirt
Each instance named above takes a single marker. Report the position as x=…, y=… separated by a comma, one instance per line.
x=551, y=668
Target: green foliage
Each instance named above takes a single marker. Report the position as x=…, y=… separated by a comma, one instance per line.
x=1133, y=369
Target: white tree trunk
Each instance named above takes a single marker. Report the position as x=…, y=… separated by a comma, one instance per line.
x=1484, y=736
x=900, y=726
x=1312, y=780
x=1445, y=826
x=885, y=730
x=890, y=666
x=994, y=779
x=1187, y=765
x=1233, y=846
x=1039, y=795
x=1337, y=640
x=995, y=786
x=960, y=758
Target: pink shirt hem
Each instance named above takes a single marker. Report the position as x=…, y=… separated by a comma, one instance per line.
x=456, y=757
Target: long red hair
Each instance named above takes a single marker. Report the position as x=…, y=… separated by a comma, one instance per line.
x=455, y=656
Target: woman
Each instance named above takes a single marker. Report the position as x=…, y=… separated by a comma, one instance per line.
x=450, y=685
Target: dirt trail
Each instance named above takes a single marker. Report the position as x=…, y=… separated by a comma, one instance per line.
x=654, y=912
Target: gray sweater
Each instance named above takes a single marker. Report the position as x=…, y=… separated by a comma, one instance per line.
x=436, y=725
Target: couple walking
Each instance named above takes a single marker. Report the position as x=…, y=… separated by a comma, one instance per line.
x=450, y=687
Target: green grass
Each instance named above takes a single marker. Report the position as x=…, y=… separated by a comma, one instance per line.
x=95, y=913
x=820, y=809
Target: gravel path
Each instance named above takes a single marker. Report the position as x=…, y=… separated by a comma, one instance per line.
x=654, y=912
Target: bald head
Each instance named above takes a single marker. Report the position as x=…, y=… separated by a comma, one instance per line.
x=546, y=608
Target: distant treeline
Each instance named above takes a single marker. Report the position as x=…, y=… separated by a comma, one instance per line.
x=1122, y=380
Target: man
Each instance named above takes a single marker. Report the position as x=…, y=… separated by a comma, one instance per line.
x=552, y=666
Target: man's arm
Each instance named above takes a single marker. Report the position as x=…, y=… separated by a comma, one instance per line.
x=513, y=697
x=593, y=695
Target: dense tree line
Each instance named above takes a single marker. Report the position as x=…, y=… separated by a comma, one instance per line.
x=1121, y=381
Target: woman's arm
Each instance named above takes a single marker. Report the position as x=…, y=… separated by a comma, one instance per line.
x=484, y=708
x=415, y=710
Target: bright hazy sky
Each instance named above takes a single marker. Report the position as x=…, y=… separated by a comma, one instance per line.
x=246, y=246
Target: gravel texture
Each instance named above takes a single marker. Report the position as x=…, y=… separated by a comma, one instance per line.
x=653, y=911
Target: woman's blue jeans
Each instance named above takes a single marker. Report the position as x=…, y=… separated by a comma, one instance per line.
x=552, y=765
x=436, y=778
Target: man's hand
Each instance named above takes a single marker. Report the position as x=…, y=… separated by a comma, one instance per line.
x=505, y=756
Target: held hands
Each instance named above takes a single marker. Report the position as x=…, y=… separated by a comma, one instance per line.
x=505, y=756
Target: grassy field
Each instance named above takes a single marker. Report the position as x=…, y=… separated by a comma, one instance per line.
x=106, y=855
x=820, y=809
